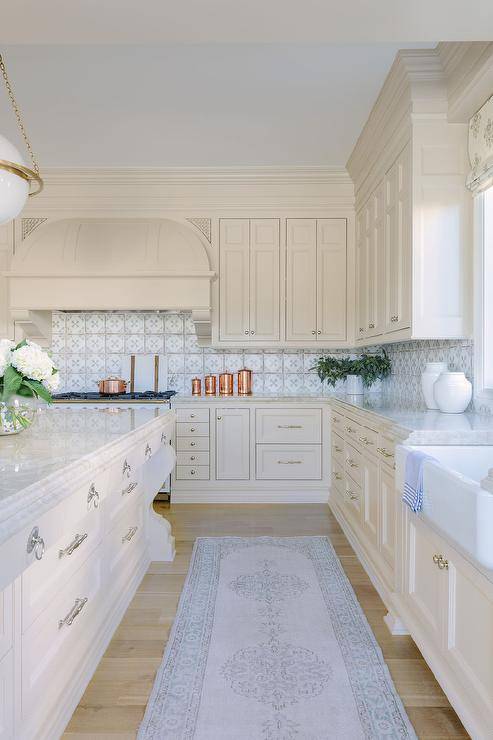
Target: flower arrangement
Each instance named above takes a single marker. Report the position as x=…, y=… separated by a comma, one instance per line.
x=26, y=371
x=370, y=367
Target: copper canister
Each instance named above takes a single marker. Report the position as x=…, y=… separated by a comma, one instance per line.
x=210, y=385
x=244, y=382
x=196, y=387
x=226, y=384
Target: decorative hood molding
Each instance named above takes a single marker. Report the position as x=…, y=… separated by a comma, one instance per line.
x=106, y=264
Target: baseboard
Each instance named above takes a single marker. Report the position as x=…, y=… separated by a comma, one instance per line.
x=249, y=497
x=59, y=721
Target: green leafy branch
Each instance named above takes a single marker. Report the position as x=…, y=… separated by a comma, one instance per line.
x=369, y=366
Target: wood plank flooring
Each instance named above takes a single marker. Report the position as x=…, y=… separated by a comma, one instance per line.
x=114, y=702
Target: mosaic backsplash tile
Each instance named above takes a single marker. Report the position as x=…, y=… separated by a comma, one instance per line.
x=87, y=346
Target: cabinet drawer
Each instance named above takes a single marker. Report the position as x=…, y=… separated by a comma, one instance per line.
x=338, y=449
x=354, y=499
x=55, y=644
x=288, y=462
x=192, y=472
x=288, y=426
x=353, y=430
x=192, y=458
x=193, y=429
x=6, y=622
x=192, y=415
x=126, y=542
x=46, y=577
x=368, y=439
x=184, y=444
x=353, y=463
x=386, y=450
x=130, y=489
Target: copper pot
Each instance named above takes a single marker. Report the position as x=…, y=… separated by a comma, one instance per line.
x=226, y=384
x=244, y=382
x=196, y=387
x=112, y=386
x=210, y=385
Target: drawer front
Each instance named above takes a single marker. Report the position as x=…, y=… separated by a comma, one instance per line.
x=199, y=444
x=353, y=430
x=368, y=440
x=288, y=426
x=46, y=577
x=386, y=450
x=353, y=497
x=126, y=542
x=56, y=642
x=7, y=683
x=288, y=462
x=192, y=415
x=338, y=477
x=130, y=489
x=6, y=621
x=353, y=463
x=338, y=449
x=193, y=429
x=192, y=458
x=192, y=472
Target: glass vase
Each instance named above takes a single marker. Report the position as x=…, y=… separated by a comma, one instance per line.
x=16, y=414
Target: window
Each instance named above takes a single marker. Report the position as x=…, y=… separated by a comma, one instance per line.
x=484, y=295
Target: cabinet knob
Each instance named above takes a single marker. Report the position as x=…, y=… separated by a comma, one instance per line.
x=252, y=332
x=314, y=332
x=192, y=444
x=192, y=472
x=361, y=330
x=192, y=457
x=247, y=331
x=192, y=429
x=371, y=326
x=192, y=416
x=219, y=418
x=319, y=331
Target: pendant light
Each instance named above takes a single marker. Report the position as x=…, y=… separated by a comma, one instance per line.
x=17, y=181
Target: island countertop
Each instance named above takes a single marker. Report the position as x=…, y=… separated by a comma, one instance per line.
x=63, y=444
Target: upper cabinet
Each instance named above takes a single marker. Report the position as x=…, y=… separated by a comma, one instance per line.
x=316, y=290
x=249, y=269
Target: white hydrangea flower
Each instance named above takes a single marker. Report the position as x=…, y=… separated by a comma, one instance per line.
x=6, y=347
x=52, y=383
x=32, y=362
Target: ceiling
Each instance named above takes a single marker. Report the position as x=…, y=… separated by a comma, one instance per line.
x=254, y=21
x=194, y=105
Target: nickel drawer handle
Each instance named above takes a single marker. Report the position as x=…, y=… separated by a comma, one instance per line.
x=73, y=613
x=289, y=462
x=337, y=449
x=351, y=463
x=76, y=542
x=352, y=495
x=289, y=426
x=36, y=544
x=337, y=476
x=148, y=451
x=335, y=420
x=163, y=438
x=365, y=440
x=126, y=469
x=131, y=487
x=93, y=497
x=350, y=430
x=131, y=533
x=384, y=452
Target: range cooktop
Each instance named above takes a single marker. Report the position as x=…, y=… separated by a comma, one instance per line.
x=145, y=397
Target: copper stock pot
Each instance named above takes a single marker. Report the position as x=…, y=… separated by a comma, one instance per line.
x=112, y=386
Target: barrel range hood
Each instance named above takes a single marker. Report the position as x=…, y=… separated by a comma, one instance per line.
x=112, y=264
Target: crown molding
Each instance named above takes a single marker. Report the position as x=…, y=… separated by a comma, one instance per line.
x=468, y=68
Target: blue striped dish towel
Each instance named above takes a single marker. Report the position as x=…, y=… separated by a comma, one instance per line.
x=413, y=481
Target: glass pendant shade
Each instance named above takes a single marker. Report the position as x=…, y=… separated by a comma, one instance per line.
x=14, y=189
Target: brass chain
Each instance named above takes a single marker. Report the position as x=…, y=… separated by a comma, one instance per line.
x=17, y=113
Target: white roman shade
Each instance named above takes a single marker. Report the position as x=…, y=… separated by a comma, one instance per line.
x=481, y=148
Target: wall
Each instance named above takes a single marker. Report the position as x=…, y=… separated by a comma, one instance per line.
x=88, y=346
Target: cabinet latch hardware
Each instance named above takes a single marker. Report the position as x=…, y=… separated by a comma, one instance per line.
x=92, y=497
x=126, y=469
x=148, y=451
x=36, y=544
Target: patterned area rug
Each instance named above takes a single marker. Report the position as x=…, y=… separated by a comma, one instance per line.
x=270, y=643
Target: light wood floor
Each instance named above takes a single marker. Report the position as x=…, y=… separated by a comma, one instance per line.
x=114, y=702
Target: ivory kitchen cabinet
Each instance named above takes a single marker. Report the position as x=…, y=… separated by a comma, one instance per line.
x=316, y=290
x=370, y=267
x=249, y=280
x=233, y=444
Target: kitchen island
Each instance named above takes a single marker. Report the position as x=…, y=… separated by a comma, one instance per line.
x=77, y=534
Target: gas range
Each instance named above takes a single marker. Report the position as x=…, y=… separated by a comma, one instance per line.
x=145, y=397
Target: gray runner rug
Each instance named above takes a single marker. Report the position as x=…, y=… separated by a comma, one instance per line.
x=270, y=643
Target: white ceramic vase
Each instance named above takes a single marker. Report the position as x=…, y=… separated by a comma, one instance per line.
x=429, y=377
x=354, y=385
x=453, y=392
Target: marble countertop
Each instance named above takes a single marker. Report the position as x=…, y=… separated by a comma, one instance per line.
x=37, y=464
x=253, y=398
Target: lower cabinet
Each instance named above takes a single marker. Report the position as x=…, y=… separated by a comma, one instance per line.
x=7, y=696
x=233, y=444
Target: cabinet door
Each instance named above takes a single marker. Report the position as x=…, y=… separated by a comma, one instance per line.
x=376, y=264
x=331, y=279
x=361, y=274
x=301, y=298
x=424, y=582
x=469, y=630
x=232, y=444
x=234, y=298
x=369, y=484
x=7, y=697
x=387, y=523
x=398, y=244
x=264, y=279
